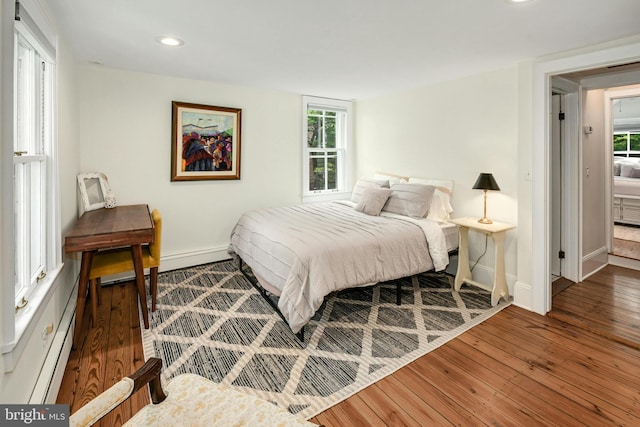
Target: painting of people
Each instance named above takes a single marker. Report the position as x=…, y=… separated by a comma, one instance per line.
x=206, y=142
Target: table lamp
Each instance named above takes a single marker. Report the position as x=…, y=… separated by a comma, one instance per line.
x=485, y=182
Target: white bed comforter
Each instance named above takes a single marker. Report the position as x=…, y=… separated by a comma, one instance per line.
x=625, y=186
x=308, y=251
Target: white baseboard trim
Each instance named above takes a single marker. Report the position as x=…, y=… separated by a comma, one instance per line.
x=180, y=260
x=594, y=262
x=483, y=274
x=523, y=295
x=620, y=261
x=50, y=378
x=191, y=258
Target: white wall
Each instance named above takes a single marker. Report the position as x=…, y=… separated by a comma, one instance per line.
x=594, y=180
x=125, y=128
x=453, y=130
x=593, y=172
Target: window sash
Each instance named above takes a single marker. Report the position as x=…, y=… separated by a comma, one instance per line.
x=326, y=130
x=632, y=143
x=33, y=140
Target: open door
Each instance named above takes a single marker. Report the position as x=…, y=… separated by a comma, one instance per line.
x=557, y=115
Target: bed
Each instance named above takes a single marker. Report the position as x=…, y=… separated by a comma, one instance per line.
x=305, y=252
x=626, y=190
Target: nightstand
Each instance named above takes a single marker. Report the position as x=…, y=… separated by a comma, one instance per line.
x=497, y=231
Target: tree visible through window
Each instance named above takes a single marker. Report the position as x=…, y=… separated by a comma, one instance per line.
x=326, y=124
x=626, y=144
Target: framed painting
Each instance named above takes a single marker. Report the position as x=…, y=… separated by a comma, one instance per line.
x=205, y=142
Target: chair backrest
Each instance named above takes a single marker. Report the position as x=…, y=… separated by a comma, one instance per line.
x=154, y=248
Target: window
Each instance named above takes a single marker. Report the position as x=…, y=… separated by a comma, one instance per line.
x=326, y=137
x=35, y=230
x=626, y=144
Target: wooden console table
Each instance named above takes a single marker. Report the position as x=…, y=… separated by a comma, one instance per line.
x=497, y=231
x=105, y=229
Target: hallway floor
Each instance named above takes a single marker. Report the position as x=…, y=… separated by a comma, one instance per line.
x=626, y=241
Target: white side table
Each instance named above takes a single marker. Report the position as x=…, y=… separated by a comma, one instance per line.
x=496, y=231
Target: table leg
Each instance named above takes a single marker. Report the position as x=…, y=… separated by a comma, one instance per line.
x=136, y=251
x=500, y=288
x=85, y=268
x=463, y=272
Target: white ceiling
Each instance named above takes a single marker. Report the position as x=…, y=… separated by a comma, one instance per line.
x=348, y=49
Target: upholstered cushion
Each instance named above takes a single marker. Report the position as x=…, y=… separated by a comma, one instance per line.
x=364, y=183
x=195, y=401
x=410, y=199
x=372, y=200
x=105, y=402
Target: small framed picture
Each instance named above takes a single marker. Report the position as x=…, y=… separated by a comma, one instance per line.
x=93, y=188
x=205, y=142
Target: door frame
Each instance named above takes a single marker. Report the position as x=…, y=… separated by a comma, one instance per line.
x=541, y=148
x=609, y=96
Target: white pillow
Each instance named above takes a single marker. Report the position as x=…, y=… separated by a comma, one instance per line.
x=391, y=177
x=364, y=183
x=410, y=200
x=372, y=200
x=440, y=209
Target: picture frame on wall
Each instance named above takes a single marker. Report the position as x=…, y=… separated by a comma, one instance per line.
x=206, y=142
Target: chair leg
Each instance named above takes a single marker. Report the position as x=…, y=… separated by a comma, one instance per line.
x=153, y=285
x=93, y=294
x=99, y=288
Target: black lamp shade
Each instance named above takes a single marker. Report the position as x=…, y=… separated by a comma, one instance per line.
x=486, y=181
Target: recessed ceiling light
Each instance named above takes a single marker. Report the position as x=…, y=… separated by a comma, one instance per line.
x=517, y=1
x=169, y=41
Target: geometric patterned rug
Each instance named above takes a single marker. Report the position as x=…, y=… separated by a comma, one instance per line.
x=210, y=321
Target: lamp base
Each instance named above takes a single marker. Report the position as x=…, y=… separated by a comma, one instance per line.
x=485, y=220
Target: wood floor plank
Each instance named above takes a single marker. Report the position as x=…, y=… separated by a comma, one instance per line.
x=509, y=384
x=388, y=411
x=547, y=370
x=118, y=353
x=454, y=412
x=516, y=368
x=90, y=355
x=416, y=407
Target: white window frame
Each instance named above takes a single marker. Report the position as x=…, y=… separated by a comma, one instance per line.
x=343, y=148
x=628, y=152
x=16, y=323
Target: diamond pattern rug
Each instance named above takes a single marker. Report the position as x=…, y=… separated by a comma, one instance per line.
x=212, y=322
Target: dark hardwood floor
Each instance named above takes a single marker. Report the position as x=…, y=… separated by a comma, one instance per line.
x=576, y=366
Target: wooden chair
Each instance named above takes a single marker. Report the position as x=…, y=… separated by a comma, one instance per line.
x=189, y=400
x=120, y=260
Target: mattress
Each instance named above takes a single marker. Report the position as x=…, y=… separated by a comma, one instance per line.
x=624, y=186
x=307, y=251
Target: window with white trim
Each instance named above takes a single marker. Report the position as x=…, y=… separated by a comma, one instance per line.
x=626, y=143
x=35, y=227
x=326, y=138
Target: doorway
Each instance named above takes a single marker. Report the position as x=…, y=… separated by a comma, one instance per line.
x=596, y=62
x=623, y=111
